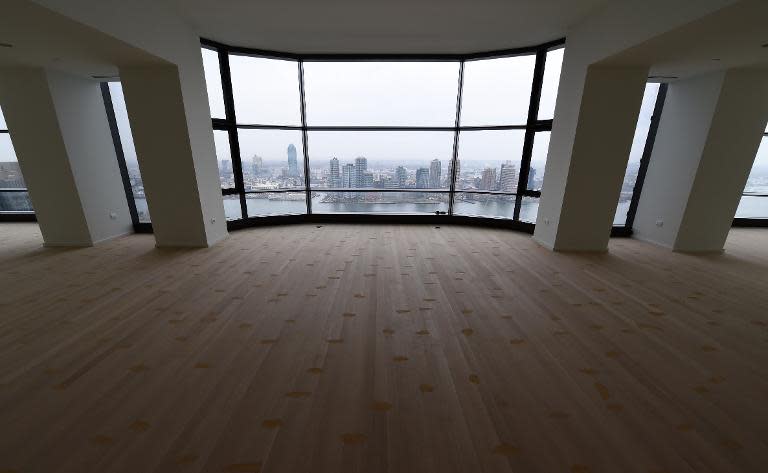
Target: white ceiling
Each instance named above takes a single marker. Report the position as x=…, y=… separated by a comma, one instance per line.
x=383, y=26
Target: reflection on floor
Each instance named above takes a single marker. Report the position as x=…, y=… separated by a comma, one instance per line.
x=381, y=348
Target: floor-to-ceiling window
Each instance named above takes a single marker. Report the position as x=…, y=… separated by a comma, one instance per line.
x=640, y=153
x=461, y=135
x=754, y=200
x=14, y=198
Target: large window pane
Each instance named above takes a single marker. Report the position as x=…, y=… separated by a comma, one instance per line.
x=3, y=125
x=213, y=83
x=266, y=91
x=276, y=203
x=129, y=151
x=489, y=160
x=232, y=209
x=549, y=86
x=372, y=202
x=636, y=153
x=538, y=160
x=484, y=205
x=380, y=159
x=497, y=91
x=753, y=206
x=529, y=209
x=224, y=159
x=15, y=202
x=277, y=156
x=381, y=93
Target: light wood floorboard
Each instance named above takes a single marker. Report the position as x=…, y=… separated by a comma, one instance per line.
x=381, y=348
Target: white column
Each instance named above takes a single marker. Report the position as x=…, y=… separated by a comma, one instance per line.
x=707, y=140
x=171, y=126
x=59, y=129
x=589, y=148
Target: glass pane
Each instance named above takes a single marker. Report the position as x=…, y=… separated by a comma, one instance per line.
x=126, y=140
x=752, y=206
x=213, y=83
x=549, y=85
x=489, y=160
x=529, y=209
x=497, y=91
x=15, y=202
x=280, y=158
x=232, y=209
x=3, y=125
x=276, y=203
x=324, y=202
x=757, y=182
x=266, y=91
x=484, y=205
x=383, y=159
x=224, y=159
x=538, y=160
x=381, y=93
x=636, y=153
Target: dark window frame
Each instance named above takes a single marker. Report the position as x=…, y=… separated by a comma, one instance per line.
x=533, y=124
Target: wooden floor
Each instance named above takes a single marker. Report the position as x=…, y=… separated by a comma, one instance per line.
x=355, y=348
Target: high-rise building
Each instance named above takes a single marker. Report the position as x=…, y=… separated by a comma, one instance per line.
x=488, y=179
x=401, y=176
x=361, y=167
x=532, y=178
x=348, y=179
x=434, y=174
x=257, y=164
x=367, y=179
x=508, y=177
x=226, y=166
x=293, y=163
x=422, y=178
x=334, y=180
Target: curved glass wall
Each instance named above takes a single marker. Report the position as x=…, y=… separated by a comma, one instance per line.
x=463, y=135
x=754, y=200
x=14, y=198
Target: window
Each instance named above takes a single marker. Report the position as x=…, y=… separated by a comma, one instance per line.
x=642, y=128
x=754, y=201
x=129, y=151
x=14, y=197
x=549, y=86
x=213, y=82
x=342, y=135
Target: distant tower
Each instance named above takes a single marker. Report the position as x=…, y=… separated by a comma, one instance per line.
x=226, y=166
x=293, y=163
x=335, y=178
x=508, y=177
x=434, y=174
x=401, y=176
x=422, y=178
x=488, y=179
x=257, y=165
x=348, y=179
x=361, y=167
x=532, y=178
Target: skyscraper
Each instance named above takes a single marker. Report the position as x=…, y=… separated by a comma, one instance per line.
x=488, y=179
x=293, y=163
x=257, y=165
x=226, y=166
x=334, y=179
x=422, y=178
x=348, y=179
x=361, y=167
x=508, y=177
x=434, y=174
x=532, y=178
x=401, y=176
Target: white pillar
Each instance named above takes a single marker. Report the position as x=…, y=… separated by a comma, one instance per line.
x=171, y=127
x=589, y=148
x=59, y=129
x=707, y=140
